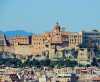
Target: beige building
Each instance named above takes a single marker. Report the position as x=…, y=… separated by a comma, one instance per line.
x=83, y=56
x=43, y=78
x=46, y=44
x=75, y=39
x=49, y=44
x=67, y=78
x=60, y=79
x=18, y=40
x=38, y=44
x=24, y=50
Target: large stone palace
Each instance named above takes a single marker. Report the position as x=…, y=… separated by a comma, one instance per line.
x=48, y=43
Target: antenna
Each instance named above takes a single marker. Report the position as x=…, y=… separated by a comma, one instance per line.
x=57, y=23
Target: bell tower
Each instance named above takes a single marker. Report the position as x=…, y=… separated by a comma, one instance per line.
x=56, y=34
x=57, y=28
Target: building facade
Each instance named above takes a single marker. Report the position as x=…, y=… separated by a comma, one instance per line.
x=75, y=39
x=91, y=38
x=49, y=43
x=83, y=56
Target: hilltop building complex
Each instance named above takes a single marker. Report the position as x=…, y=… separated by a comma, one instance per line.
x=51, y=44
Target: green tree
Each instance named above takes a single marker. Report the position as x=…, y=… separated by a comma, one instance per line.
x=94, y=62
x=45, y=62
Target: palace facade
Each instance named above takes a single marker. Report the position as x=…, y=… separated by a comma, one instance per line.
x=47, y=43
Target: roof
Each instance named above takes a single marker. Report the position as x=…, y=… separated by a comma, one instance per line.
x=96, y=78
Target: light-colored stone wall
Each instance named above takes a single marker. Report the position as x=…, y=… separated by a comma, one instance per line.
x=24, y=50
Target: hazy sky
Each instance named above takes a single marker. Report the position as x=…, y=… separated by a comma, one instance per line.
x=41, y=15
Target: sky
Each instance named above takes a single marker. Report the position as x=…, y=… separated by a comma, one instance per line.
x=41, y=15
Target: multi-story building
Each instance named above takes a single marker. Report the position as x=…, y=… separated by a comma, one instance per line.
x=91, y=38
x=83, y=56
x=49, y=43
x=21, y=40
x=75, y=39
x=19, y=45
x=2, y=41
x=38, y=44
